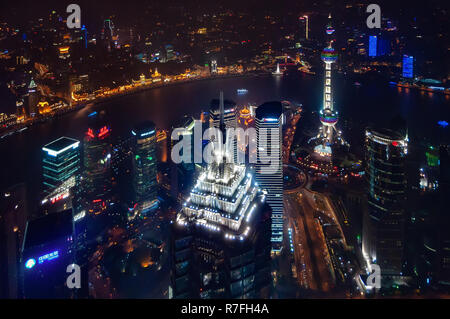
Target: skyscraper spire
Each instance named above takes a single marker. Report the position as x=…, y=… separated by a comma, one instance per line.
x=222, y=111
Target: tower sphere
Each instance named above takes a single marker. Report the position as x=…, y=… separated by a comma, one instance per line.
x=329, y=55
x=328, y=117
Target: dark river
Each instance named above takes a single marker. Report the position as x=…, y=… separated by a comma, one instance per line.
x=372, y=103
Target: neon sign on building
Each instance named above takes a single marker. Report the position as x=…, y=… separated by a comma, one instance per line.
x=48, y=257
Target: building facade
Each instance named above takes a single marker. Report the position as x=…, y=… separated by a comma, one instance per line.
x=60, y=162
x=144, y=165
x=220, y=243
x=97, y=176
x=269, y=169
x=384, y=221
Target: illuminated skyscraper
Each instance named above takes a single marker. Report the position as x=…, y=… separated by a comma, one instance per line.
x=97, y=177
x=221, y=238
x=269, y=170
x=144, y=165
x=33, y=98
x=384, y=222
x=214, y=67
x=60, y=162
x=306, y=19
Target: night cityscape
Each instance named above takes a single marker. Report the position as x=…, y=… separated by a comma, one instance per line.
x=192, y=150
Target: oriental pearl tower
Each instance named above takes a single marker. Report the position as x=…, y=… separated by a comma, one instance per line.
x=328, y=134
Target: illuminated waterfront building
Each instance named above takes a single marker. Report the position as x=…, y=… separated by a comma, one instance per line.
x=220, y=244
x=47, y=251
x=33, y=98
x=384, y=221
x=60, y=162
x=144, y=165
x=269, y=171
x=64, y=52
x=408, y=67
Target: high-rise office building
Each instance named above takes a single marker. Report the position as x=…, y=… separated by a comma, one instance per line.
x=60, y=162
x=97, y=177
x=384, y=221
x=144, y=166
x=220, y=245
x=269, y=170
x=46, y=253
x=379, y=45
x=229, y=116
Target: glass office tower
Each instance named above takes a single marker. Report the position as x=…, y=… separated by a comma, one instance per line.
x=60, y=162
x=144, y=166
x=97, y=177
x=384, y=223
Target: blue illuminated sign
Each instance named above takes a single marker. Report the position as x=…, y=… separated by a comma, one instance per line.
x=48, y=257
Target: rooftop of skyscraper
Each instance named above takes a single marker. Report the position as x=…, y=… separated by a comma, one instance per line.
x=223, y=199
x=61, y=144
x=144, y=129
x=269, y=110
x=48, y=229
x=215, y=105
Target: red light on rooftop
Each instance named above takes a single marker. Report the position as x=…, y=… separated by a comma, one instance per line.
x=395, y=143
